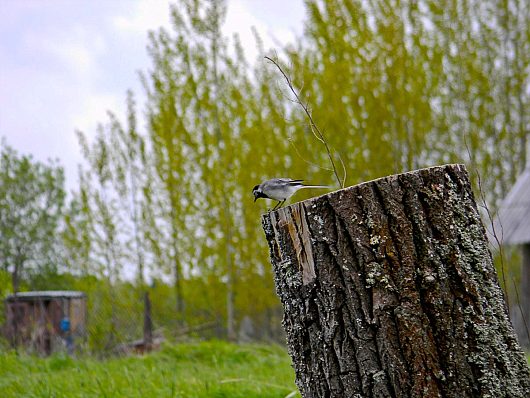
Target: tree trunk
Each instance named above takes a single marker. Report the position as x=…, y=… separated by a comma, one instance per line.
x=15, y=278
x=389, y=290
x=148, y=323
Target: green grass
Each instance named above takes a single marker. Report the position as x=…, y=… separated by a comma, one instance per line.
x=205, y=369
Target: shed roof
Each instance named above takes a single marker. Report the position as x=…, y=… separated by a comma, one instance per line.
x=43, y=295
x=514, y=213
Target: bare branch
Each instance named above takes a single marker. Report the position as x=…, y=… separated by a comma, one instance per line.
x=521, y=308
x=307, y=161
x=492, y=224
x=314, y=128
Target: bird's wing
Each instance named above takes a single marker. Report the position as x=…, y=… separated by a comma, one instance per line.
x=290, y=181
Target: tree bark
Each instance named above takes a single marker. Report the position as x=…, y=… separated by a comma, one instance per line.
x=148, y=323
x=389, y=290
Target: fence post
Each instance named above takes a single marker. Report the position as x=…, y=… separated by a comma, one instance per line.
x=148, y=323
x=389, y=290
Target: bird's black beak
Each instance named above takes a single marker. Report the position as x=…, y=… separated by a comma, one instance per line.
x=255, y=198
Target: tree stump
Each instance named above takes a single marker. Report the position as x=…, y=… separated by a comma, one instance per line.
x=389, y=290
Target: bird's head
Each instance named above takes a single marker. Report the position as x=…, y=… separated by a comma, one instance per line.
x=258, y=193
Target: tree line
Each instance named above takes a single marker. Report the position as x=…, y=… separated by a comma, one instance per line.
x=164, y=198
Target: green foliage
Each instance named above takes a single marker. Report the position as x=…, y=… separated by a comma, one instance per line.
x=403, y=85
x=31, y=205
x=400, y=85
x=165, y=206
x=210, y=369
x=177, y=196
x=392, y=85
x=5, y=282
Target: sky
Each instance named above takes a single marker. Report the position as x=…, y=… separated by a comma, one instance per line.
x=64, y=63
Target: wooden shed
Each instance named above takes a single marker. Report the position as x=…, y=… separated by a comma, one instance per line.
x=46, y=321
x=512, y=225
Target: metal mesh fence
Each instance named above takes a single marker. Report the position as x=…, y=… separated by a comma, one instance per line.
x=121, y=318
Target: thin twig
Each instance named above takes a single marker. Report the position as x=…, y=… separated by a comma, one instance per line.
x=343, y=170
x=521, y=308
x=493, y=230
x=499, y=245
x=314, y=128
x=307, y=161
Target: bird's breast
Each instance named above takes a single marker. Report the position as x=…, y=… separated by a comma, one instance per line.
x=281, y=193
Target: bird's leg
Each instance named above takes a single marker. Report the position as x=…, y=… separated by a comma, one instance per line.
x=282, y=202
x=275, y=207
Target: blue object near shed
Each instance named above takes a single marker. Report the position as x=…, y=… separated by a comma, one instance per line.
x=46, y=321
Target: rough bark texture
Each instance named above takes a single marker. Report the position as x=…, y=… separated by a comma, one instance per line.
x=389, y=290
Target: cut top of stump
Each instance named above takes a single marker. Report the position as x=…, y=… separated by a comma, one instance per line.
x=361, y=201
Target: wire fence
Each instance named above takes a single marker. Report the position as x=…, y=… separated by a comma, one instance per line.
x=117, y=320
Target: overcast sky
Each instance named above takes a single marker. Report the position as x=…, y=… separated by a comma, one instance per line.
x=63, y=63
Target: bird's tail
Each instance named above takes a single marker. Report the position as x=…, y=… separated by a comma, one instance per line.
x=315, y=186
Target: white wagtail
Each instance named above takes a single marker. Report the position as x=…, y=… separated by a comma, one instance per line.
x=280, y=189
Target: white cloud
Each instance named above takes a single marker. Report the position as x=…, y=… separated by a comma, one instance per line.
x=75, y=50
x=64, y=64
x=240, y=20
x=92, y=109
x=143, y=16
x=243, y=15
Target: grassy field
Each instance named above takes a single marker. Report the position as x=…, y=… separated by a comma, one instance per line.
x=205, y=369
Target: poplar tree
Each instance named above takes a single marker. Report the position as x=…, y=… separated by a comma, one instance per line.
x=393, y=85
x=400, y=85
x=31, y=206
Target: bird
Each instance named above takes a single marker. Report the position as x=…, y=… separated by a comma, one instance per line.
x=280, y=189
